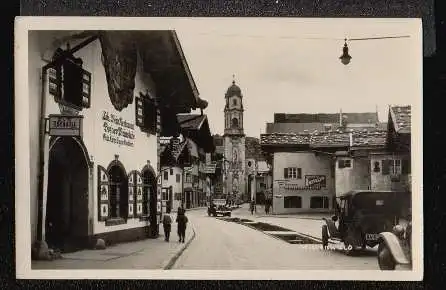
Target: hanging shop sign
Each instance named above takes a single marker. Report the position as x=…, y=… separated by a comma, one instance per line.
x=117, y=130
x=63, y=125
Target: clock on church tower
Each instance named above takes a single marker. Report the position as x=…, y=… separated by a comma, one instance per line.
x=234, y=142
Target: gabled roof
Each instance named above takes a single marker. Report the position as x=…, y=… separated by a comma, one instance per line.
x=284, y=139
x=401, y=118
x=377, y=138
x=334, y=139
x=330, y=118
x=191, y=121
x=173, y=151
x=320, y=127
x=328, y=139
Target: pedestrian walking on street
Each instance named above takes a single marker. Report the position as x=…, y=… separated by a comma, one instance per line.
x=182, y=223
x=167, y=224
x=266, y=207
x=252, y=207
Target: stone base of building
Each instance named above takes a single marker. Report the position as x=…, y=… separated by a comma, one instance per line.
x=123, y=236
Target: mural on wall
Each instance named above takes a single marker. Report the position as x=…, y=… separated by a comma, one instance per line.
x=119, y=57
x=234, y=157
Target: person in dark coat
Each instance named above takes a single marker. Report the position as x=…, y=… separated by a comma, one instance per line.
x=167, y=223
x=182, y=223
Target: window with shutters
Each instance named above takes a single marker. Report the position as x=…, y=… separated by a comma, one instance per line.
x=188, y=178
x=146, y=114
x=166, y=175
x=292, y=173
x=391, y=167
x=178, y=178
x=344, y=163
x=165, y=195
x=319, y=202
x=292, y=202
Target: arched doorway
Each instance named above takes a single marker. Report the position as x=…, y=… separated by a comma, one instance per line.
x=150, y=198
x=119, y=191
x=66, y=225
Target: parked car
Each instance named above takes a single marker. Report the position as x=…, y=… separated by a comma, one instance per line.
x=395, y=248
x=362, y=215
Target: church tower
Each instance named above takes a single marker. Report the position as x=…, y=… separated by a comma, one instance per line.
x=234, y=143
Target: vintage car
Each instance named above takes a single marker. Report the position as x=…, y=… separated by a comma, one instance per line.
x=362, y=215
x=216, y=210
x=395, y=248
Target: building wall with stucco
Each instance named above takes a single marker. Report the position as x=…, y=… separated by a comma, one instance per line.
x=102, y=134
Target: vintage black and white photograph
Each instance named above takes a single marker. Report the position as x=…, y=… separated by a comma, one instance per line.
x=214, y=146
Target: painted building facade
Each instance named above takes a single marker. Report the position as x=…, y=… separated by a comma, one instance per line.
x=99, y=158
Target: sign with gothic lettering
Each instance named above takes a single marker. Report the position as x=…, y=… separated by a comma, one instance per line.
x=63, y=125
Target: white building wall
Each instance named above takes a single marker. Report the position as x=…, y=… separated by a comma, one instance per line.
x=177, y=188
x=310, y=164
x=101, y=152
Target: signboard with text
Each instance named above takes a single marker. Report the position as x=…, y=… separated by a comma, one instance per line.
x=315, y=181
x=63, y=125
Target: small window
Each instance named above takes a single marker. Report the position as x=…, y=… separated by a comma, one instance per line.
x=391, y=166
x=376, y=166
x=165, y=194
x=344, y=163
x=234, y=123
x=178, y=178
x=166, y=175
x=234, y=102
x=405, y=166
x=171, y=171
x=319, y=202
x=188, y=178
x=292, y=173
x=292, y=202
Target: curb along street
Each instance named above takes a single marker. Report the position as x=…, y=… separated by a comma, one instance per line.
x=171, y=262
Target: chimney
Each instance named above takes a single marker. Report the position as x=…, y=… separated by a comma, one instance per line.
x=350, y=135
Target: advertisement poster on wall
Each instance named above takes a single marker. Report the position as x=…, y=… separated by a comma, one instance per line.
x=318, y=181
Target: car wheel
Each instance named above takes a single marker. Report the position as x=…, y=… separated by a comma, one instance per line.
x=349, y=249
x=324, y=237
x=385, y=259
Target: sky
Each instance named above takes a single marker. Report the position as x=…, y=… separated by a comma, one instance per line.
x=292, y=66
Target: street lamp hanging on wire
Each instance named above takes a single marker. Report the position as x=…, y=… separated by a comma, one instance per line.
x=346, y=57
